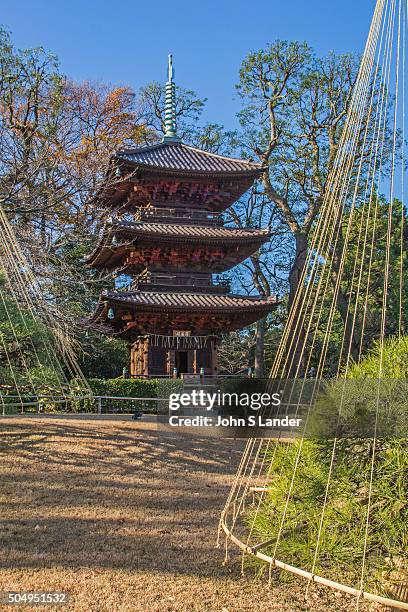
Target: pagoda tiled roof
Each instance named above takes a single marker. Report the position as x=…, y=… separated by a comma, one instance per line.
x=128, y=231
x=180, y=157
x=197, y=302
x=188, y=232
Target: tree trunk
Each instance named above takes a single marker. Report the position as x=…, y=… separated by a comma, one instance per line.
x=296, y=270
x=351, y=335
x=297, y=335
x=351, y=341
x=260, y=348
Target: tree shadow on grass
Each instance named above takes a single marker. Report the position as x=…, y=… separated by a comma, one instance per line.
x=174, y=449
x=120, y=496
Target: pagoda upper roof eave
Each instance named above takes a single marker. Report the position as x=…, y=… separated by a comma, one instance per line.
x=173, y=172
x=178, y=158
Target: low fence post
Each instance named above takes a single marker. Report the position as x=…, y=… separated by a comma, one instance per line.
x=99, y=405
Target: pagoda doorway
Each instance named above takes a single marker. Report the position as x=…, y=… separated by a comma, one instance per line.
x=182, y=362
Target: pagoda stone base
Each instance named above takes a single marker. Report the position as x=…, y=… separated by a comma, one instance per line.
x=147, y=360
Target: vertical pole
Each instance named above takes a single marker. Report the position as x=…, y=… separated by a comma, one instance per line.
x=134, y=356
x=99, y=405
x=172, y=361
x=146, y=357
x=168, y=364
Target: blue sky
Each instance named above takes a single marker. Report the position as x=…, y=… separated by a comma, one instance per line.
x=128, y=41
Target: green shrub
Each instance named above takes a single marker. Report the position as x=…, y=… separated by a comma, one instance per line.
x=394, y=362
x=342, y=530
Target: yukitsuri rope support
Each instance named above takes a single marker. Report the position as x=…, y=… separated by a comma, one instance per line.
x=52, y=351
x=385, y=601
x=370, y=162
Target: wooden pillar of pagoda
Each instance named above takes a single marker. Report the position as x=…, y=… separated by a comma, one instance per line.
x=171, y=360
x=139, y=357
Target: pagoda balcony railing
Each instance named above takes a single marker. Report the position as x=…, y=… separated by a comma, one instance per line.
x=185, y=216
x=164, y=281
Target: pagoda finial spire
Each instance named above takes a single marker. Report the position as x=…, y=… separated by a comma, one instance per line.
x=170, y=71
x=170, y=105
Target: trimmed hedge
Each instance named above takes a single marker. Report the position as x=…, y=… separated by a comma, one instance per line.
x=124, y=387
x=128, y=387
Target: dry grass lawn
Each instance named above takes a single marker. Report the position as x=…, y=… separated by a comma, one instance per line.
x=124, y=517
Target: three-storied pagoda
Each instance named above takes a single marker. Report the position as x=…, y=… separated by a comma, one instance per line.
x=167, y=234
